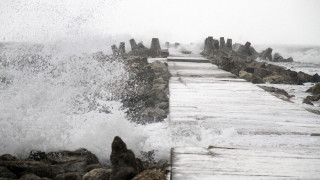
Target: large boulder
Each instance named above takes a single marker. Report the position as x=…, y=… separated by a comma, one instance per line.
x=278, y=58
x=123, y=161
x=245, y=75
x=247, y=51
x=98, y=174
x=6, y=173
x=314, y=89
x=274, y=79
x=311, y=99
x=7, y=157
x=50, y=165
x=32, y=177
x=262, y=72
x=69, y=176
x=154, y=174
x=266, y=54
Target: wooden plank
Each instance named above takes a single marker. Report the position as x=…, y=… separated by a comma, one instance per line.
x=216, y=108
x=190, y=163
x=188, y=59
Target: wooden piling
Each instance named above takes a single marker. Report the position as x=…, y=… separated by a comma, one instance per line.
x=229, y=44
x=222, y=43
x=216, y=44
x=155, y=49
x=122, y=48
x=114, y=50
x=133, y=45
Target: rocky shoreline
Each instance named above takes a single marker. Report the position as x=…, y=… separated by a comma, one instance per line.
x=146, y=99
x=241, y=60
x=146, y=96
x=81, y=164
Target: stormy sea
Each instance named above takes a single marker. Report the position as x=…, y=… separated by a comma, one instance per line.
x=61, y=96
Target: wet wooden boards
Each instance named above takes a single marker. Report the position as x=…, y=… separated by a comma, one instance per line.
x=259, y=136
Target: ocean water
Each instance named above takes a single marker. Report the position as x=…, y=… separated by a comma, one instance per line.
x=61, y=96
x=306, y=58
x=54, y=98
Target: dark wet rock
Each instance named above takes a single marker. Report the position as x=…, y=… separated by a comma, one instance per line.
x=37, y=155
x=266, y=54
x=30, y=176
x=290, y=59
x=314, y=89
x=124, y=164
x=274, y=79
x=241, y=62
x=262, y=72
x=278, y=58
x=6, y=173
x=52, y=164
x=315, y=78
x=148, y=86
x=257, y=80
x=78, y=156
x=162, y=105
x=303, y=77
x=69, y=176
x=22, y=167
x=154, y=174
x=7, y=157
x=280, y=93
x=311, y=99
x=245, y=75
x=98, y=174
x=93, y=166
x=247, y=50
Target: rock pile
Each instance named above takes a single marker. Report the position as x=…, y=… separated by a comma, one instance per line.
x=241, y=61
x=267, y=55
x=279, y=93
x=80, y=165
x=315, y=97
x=124, y=163
x=125, y=166
x=146, y=95
x=54, y=165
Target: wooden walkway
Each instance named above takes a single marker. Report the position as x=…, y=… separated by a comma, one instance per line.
x=252, y=134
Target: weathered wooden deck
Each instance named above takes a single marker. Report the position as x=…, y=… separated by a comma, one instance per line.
x=253, y=135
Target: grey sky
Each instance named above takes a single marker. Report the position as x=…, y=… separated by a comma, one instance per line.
x=258, y=21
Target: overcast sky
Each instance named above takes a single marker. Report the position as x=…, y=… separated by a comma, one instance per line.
x=258, y=21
